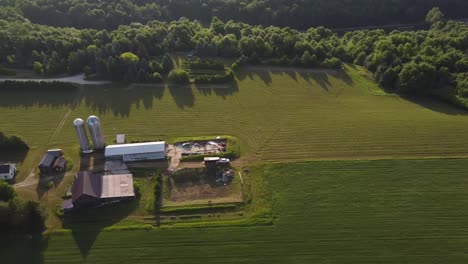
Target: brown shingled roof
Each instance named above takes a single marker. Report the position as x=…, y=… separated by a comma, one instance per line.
x=102, y=186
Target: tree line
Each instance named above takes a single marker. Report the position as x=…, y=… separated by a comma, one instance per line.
x=18, y=216
x=433, y=61
x=300, y=14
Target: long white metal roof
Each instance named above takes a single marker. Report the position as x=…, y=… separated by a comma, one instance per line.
x=137, y=148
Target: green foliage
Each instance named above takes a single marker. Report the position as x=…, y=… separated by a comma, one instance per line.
x=167, y=64
x=129, y=57
x=203, y=64
x=435, y=16
x=178, y=76
x=157, y=78
x=158, y=192
x=38, y=68
x=200, y=209
x=18, y=217
x=12, y=143
x=7, y=192
x=137, y=189
x=417, y=78
x=215, y=78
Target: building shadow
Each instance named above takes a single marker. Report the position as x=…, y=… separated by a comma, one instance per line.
x=23, y=249
x=182, y=94
x=87, y=224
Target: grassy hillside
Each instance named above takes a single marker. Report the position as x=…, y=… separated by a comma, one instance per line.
x=387, y=211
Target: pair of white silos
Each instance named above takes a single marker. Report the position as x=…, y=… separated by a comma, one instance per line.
x=95, y=130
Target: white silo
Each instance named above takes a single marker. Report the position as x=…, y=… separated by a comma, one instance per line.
x=80, y=129
x=95, y=130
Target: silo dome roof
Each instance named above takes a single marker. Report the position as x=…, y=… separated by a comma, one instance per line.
x=78, y=122
x=93, y=120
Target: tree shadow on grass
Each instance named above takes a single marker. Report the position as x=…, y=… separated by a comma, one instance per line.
x=23, y=249
x=182, y=94
x=223, y=90
x=87, y=224
x=436, y=105
x=42, y=187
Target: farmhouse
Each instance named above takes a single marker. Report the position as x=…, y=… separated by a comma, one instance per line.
x=7, y=171
x=137, y=151
x=90, y=189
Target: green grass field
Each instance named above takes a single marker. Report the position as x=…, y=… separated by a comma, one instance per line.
x=401, y=211
x=386, y=211
x=277, y=115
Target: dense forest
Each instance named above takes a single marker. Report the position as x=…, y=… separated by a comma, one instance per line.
x=433, y=61
x=300, y=14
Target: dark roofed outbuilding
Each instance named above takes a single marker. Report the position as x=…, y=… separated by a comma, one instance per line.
x=47, y=163
x=60, y=164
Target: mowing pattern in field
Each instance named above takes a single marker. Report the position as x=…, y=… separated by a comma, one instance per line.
x=284, y=115
x=277, y=115
x=411, y=211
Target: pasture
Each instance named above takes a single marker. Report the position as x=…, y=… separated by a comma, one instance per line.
x=277, y=114
x=385, y=211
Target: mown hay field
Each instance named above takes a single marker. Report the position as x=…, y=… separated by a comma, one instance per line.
x=385, y=211
x=278, y=114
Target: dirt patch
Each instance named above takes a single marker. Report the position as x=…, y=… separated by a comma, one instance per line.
x=195, y=185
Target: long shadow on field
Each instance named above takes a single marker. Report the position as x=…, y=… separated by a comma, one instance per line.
x=87, y=224
x=119, y=99
x=23, y=249
x=182, y=94
x=28, y=97
x=222, y=90
x=437, y=106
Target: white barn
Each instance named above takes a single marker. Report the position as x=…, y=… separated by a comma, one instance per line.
x=7, y=171
x=137, y=151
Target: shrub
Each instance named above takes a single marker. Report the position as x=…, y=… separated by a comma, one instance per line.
x=219, y=78
x=179, y=76
x=7, y=192
x=129, y=57
x=156, y=77
x=137, y=189
x=12, y=143
x=203, y=64
x=157, y=192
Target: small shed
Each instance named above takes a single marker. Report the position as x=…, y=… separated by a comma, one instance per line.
x=60, y=164
x=120, y=139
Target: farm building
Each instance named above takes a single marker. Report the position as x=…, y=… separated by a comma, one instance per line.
x=90, y=190
x=137, y=151
x=47, y=163
x=7, y=171
x=60, y=164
